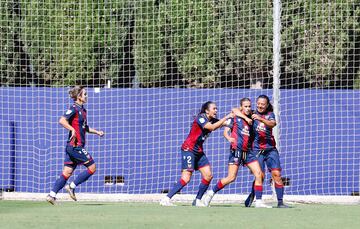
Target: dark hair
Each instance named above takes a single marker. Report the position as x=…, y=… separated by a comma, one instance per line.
x=269, y=107
x=75, y=92
x=243, y=100
x=205, y=106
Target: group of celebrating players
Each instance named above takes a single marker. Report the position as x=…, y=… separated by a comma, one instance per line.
x=252, y=144
x=249, y=133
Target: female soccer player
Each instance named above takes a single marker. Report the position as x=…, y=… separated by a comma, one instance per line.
x=265, y=147
x=241, y=139
x=192, y=154
x=74, y=120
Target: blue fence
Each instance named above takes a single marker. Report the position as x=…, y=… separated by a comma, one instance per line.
x=319, y=145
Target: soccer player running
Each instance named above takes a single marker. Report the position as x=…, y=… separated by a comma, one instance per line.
x=192, y=154
x=264, y=146
x=240, y=138
x=75, y=121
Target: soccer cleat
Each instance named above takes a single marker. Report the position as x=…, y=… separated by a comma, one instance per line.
x=51, y=200
x=208, y=197
x=260, y=204
x=198, y=203
x=283, y=206
x=166, y=202
x=71, y=192
x=250, y=199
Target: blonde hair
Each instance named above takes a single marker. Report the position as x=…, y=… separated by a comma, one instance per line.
x=75, y=92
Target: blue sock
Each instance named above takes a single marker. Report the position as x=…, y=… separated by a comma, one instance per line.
x=204, y=185
x=279, y=193
x=218, y=187
x=82, y=177
x=59, y=183
x=253, y=187
x=258, y=189
x=178, y=186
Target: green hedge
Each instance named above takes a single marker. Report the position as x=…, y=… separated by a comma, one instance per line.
x=223, y=43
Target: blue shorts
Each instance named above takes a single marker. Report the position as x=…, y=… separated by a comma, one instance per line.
x=270, y=158
x=77, y=156
x=192, y=161
x=237, y=157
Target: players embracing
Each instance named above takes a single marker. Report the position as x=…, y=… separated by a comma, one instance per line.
x=264, y=145
x=240, y=134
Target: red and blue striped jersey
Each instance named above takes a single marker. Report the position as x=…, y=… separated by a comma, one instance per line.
x=76, y=116
x=264, y=138
x=198, y=134
x=242, y=132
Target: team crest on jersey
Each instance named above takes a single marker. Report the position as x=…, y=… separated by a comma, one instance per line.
x=261, y=127
x=201, y=120
x=245, y=131
x=68, y=112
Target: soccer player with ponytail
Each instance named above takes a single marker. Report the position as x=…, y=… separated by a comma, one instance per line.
x=75, y=121
x=192, y=153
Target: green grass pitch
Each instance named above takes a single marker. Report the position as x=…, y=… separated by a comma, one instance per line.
x=28, y=214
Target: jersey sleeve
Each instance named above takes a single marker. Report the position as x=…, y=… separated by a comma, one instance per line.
x=271, y=116
x=69, y=113
x=229, y=123
x=201, y=121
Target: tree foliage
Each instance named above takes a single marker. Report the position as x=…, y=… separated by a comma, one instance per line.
x=175, y=43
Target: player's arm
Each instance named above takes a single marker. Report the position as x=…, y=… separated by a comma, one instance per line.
x=269, y=123
x=238, y=113
x=94, y=131
x=227, y=134
x=65, y=123
x=213, y=126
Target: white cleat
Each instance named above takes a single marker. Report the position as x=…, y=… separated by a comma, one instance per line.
x=166, y=202
x=198, y=203
x=51, y=200
x=208, y=197
x=260, y=204
x=71, y=192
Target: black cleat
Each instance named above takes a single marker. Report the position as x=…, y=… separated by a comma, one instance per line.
x=249, y=200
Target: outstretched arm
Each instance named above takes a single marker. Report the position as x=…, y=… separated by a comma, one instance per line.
x=94, y=131
x=213, y=126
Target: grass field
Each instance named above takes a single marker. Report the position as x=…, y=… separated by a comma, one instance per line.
x=27, y=214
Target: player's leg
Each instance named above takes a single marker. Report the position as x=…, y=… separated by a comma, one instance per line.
x=273, y=164
x=82, y=156
x=232, y=173
x=188, y=166
x=60, y=183
x=260, y=157
x=206, y=175
x=255, y=169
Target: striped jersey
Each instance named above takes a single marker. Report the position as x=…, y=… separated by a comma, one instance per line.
x=264, y=138
x=76, y=116
x=198, y=134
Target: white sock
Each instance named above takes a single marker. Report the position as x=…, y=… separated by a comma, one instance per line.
x=72, y=185
x=52, y=194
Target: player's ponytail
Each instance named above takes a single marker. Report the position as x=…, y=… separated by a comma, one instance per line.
x=269, y=107
x=75, y=92
x=205, y=107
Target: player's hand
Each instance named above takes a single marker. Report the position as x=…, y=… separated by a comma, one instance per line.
x=73, y=135
x=230, y=115
x=249, y=121
x=100, y=133
x=231, y=140
x=256, y=117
